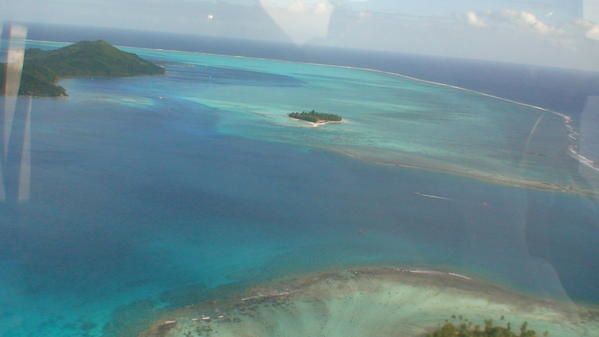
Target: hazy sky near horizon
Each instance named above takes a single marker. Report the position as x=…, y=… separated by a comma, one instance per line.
x=563, y=33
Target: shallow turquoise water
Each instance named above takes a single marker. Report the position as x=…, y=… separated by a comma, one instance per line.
x=149, y=193
x=371, y=302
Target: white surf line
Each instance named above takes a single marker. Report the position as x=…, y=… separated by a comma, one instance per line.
x=573, y=149
x=436, y=272
x=432, y=196
x=426, y=272
x=460, y=276
x=260, y=296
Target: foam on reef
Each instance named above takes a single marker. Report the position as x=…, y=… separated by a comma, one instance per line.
x=372, y=302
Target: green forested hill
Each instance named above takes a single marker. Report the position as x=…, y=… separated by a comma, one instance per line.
x=42, y=69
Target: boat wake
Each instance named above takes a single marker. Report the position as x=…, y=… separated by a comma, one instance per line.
x=432, y=196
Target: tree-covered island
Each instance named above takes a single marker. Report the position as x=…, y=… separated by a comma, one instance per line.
x=464, y=328
x=315, y=117
x=42, y=69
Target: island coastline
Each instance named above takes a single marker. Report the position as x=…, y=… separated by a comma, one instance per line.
x=42, y=69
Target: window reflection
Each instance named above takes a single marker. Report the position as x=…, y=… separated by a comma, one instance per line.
x=164, y=182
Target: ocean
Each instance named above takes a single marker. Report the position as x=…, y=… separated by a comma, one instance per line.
x=149, y=194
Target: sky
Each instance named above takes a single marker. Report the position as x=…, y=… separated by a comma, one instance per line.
x=560, y=33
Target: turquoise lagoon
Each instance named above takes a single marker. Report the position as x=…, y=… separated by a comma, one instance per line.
x=150, y=194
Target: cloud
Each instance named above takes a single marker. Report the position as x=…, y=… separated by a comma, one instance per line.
x=475, y=20
x=301, y=20
x=528, y=19
x=513, y=18
x=593, y=33
x=312, y=7
x=590, y=29
x=297, y=7
x=323, y=8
